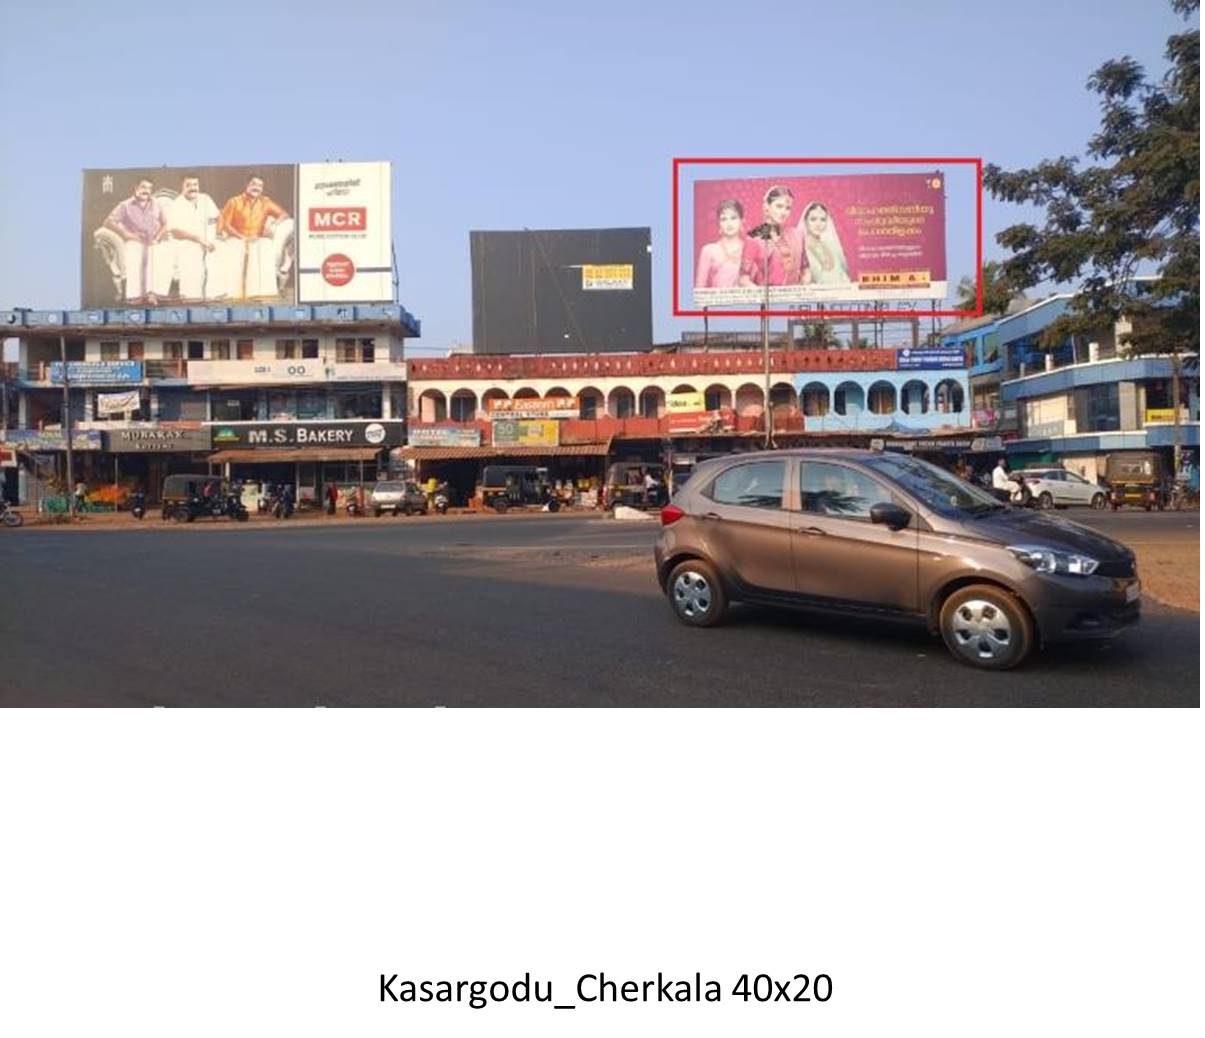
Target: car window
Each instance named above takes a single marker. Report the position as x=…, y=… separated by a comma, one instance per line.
x=835, y=490
x=757, y=485
x=389, y=488
x=1074, y=477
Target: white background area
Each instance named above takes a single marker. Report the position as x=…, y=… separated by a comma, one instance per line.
x=254, y=872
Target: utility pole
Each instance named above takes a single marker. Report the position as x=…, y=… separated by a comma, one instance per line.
x=1176, y=415
x=66, y=423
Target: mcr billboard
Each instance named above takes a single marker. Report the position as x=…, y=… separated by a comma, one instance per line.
x=330, y=220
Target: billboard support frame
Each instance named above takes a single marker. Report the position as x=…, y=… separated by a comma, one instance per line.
x=976, y=162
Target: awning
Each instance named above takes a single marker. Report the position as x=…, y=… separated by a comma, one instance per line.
x=264, y=457
x=461, y=453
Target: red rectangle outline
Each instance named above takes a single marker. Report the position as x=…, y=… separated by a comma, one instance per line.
x=865, y=314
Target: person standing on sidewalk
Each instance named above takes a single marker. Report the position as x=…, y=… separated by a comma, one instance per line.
x=332, y=497
x=81, y=494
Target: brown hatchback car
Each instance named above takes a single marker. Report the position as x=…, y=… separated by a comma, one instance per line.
x=882, y=534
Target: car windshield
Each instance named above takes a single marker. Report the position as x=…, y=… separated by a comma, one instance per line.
x=946, y=494
x=388, y=488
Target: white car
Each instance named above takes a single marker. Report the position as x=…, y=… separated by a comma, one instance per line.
x=1058, y=487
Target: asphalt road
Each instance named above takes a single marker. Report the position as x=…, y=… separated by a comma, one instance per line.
x=518, y=611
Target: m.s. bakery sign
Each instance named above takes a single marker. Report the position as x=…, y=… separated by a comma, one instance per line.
x=309, y=434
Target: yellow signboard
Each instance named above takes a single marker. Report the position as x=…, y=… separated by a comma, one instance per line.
x=682, y=403
x=1164, y=414
x=606, y=277
x=541, y=433
x=895, y=279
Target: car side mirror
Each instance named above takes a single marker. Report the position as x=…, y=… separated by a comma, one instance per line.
x=890, y=515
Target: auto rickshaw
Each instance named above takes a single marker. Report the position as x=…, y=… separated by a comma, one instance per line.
x=186, y=497
x=1137, y=478
x=626, y=485
x=506, y=486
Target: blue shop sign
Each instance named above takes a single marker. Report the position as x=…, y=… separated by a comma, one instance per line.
x=909, y=359
x=97, y=372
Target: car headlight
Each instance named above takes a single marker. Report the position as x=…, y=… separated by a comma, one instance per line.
x=1047, y=560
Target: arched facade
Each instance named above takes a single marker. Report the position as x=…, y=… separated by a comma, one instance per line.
x=814, y=400
x=621, y=403
x=592, y=402
x=463, y=406
x=904, y=400
x=717, y=396
x=750, y=400
x=914, y=397
x=432, y=406
x=652, y=402
x=880, y=398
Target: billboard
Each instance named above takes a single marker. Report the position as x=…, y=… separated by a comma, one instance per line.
x=566, y=291
x=548, y=407
x=230, y=235
x=543, y=433
x=344, y=243
x=935, y=357
x=813, y=239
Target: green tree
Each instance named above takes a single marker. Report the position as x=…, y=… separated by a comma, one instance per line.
x=1136, y=210
x=998, y=290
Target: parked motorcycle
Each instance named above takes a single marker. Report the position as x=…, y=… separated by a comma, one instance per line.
x=138, y=505
x=282, y=504
x=9, y=516
x=235, y=507
x=439, y=500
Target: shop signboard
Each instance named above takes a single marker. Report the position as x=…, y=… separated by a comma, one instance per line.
x=249, y=435
x=117, y=403
x=549, y=407
x=1164, y=414
x=855, y=237
x=8, y=458
x=53, y=439
x=701, y=423
x=442, y=436
x=934, y=358
x=158, y=438
x=97, y=372
x=607, y=277
x=544, y=433
x=256, y=372
x=685, y=403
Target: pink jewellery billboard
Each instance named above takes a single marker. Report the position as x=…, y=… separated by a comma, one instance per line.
x=861, y=237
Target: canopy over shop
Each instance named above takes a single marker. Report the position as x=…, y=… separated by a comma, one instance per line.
x=461, y=467
x=308, y=469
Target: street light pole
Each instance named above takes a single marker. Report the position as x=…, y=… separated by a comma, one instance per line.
x=765, y=344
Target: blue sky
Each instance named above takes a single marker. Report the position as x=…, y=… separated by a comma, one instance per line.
x=530, y=114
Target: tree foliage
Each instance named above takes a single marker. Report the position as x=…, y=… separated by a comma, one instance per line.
x=998, y=290
x=1135, y=211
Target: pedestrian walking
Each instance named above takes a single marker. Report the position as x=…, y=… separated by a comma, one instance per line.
x=81, y=494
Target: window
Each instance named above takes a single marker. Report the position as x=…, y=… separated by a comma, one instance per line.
x=311, y=403
x=220, y=349
x=835, y=490
x=173, y=351
x=756, y=485
x=345, y=351
x=246, y=349
x=589, y=406
x=235, y=405
x=110, y=351
x=196, y=351
x=309, y=349
x=286, y=349
x=135, y=351
x=712, y=400
x=281, y=406
x=368, y=351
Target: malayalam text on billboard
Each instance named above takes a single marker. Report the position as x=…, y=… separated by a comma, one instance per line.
x=815, y=239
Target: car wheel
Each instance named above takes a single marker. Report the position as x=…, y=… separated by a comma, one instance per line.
x=181, y=516
x=501, y=504
x=1045, y=500
x=986, y=627
x=1098, y=502
x=696, y=594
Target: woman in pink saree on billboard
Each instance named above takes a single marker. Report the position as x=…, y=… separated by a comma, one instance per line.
x=782, y=261
x=732, y=259
x=825, y=258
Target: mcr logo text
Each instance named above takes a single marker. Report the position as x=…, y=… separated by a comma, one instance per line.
x=348, y=218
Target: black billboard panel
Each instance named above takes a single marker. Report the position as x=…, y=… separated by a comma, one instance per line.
x=584, y=291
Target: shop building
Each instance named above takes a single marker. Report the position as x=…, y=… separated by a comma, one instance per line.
x=576, y=413
x=302, y=394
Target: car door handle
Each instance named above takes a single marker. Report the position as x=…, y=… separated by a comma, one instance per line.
x=811, y=531
x=711, y=515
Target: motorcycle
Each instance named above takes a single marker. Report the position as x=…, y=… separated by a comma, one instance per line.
x=282, y=506
x=353, y=506
x=236, y=509
x=138, y=505
x=9, y=516
x=439, y=501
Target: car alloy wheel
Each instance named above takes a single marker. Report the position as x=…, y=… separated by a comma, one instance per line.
x=696, y=594
x=1098, y=502
x=1046, y=500
x=986, y=627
